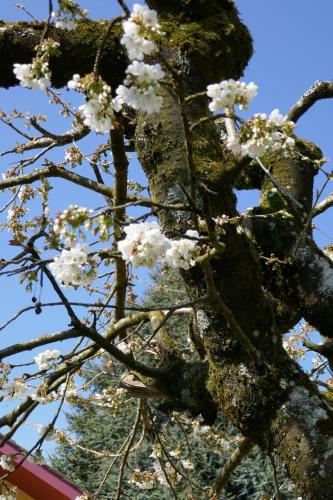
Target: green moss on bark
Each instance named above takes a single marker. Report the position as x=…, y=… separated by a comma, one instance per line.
x=78, y=51
x=296, y=175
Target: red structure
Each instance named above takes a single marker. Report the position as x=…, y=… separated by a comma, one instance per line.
x=38, y=481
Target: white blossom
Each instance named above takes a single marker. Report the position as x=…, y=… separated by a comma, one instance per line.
x=75, y=83
x=183, y=252
x=43, y=359
x=144, y=480
x=123, y=347
x=16, y=389
x=230, y=92
x=35, y=396
x=144, y=17
x=140, y=99
x=9, y=494
x=187, y=464
x=71, y=390
x=98, y=110
x=65, y=24
x=138, y=29
x=142, y=82
x=144, y=244
x=172, y=474
x=33, y=76
x=234, y=145
x=74, y=267
x=145, y=74
x=41, y=431
x=276, y=118
x=141, y=86
x=6, y=463
x=136, y=46
x=175, y=453
x=98, y=113
x=66, y=16
x=71, y=219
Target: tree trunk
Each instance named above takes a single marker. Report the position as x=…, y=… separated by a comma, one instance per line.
x=271, y=401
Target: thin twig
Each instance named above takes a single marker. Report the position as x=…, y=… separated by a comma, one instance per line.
x=102, y=43
x=237, y=456
x=276, y=481
x=128, y=447
x=124, y=7
x=296, y=204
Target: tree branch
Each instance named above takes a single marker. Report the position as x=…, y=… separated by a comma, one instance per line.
x=42, y=340
x=237, y=456
x=323, y=205
x=319, y=90
x=50, y=140
x=120, y=163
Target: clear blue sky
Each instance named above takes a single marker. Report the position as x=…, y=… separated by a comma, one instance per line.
x=293, y=43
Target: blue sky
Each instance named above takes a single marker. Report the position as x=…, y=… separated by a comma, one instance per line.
x=292, y=41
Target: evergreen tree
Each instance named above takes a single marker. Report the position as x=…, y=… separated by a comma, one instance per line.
x=104, y=429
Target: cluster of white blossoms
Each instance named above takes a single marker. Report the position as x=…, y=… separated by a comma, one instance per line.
x=41, y=431
x=258, y=136
x=173, y=476
x=42, y=395
x=98, y=110
x=44, y=359
x=65, y=16
x=141, y=84
x=71, y=219
x=228, y=93
x=139, y=30
x=144, y=480
x=146, y=245
x=15, y=389
x=294, y=345
x=261, y=135
x=9, y=494
x=63, y=22
x=75, y=267
x=183, y=252
x=73, y=156
x=7, y=463
x=37, y=74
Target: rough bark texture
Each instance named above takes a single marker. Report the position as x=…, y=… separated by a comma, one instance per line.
x=274, y=404
x=271, y=402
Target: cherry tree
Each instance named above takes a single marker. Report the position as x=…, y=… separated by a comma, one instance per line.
x=162, y=80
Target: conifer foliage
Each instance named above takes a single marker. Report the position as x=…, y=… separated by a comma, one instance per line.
x=105, y=429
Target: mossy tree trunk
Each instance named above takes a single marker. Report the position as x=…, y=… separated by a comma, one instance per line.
x=272, y=402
